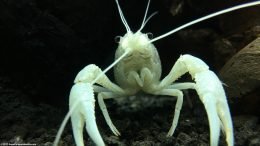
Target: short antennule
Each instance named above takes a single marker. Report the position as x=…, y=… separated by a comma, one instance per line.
x=122, y=17
x=154, y=13
x=145, y=14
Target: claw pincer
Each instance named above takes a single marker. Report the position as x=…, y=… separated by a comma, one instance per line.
x=82, y=102
x=212, y=95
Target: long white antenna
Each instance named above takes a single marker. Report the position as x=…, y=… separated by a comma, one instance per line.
x=64, y=122
x=206, y=17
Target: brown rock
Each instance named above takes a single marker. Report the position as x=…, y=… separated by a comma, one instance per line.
x=241, y=73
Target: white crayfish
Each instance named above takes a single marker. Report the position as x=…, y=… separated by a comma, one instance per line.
x=137, y=67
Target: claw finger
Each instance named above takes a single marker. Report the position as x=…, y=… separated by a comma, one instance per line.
x=114, y=130
x=106, y=115
x=225, y=117
x=171, y=131
x=77, y=127
x=84, y=111
x=91, y=126
x=214, y=122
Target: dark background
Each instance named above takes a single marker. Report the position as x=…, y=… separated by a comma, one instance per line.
x=44, y=44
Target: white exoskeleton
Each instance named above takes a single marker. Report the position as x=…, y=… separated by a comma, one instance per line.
x=137, y=67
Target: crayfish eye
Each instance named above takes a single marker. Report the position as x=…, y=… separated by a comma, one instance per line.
x=149, y=35
x=117, y=39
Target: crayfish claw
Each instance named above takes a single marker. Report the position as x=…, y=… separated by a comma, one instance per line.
x=82, y=95
x=212, y=94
